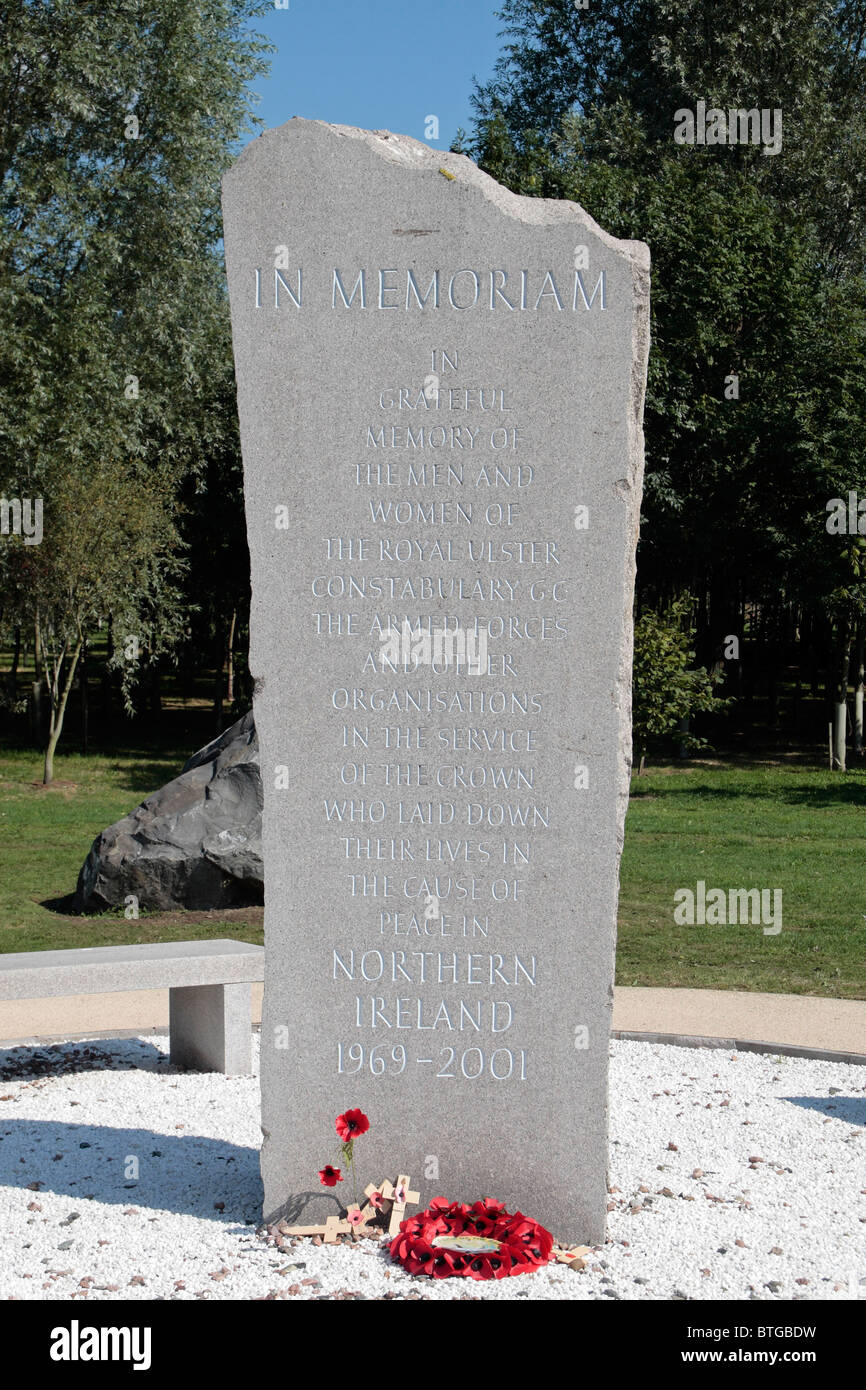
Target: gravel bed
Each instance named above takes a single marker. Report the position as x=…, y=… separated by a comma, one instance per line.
x=732, y=1176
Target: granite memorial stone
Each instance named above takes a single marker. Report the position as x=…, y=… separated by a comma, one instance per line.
x=440, y=388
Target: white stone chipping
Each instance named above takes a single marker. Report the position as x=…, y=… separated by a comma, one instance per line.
x=694, y=1213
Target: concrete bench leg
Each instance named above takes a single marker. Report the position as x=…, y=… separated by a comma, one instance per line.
x=210, y=1028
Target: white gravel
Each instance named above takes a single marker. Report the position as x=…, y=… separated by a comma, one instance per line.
x=691, y=1216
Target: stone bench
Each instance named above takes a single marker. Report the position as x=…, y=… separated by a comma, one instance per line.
x=208, y=982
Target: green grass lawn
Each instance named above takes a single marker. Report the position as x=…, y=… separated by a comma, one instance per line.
x=745, y=826
x=753, y=826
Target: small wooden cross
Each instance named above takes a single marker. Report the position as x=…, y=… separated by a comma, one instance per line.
x=397, y=1195
x=370, y=1191
x=334, y=1227
x=401, y=1196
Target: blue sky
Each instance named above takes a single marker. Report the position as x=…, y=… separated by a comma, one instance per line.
x=381, y=64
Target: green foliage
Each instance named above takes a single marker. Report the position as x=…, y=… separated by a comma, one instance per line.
x=653, y=57
x=105, y=522
x=116, y=383
x=666, y=687
x=757, y=270
x=109, y=258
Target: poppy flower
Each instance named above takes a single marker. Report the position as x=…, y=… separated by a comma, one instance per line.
x=483, y=1225
x=377, y=1201
x=354, y=1216
x=329, y=1176
x=351, y=1124
x=488, y=1206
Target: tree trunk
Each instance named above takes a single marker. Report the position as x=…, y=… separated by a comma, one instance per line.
x=219, y=677
x=12, y=676
x=12, y=679
x=840, y=709
x=230, y=660
x=36, y=712
x=772, y=695
x=840, y=720
x=683, y=748
x=107, y=680
x=859, y=692
x=85, y=706
x=58, y=710
x=36, y=706
x=37, y=648
x=155, y=686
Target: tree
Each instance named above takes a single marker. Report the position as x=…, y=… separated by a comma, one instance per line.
x=104, y=526
x=756, y=410
x=216, y=579
x=115, y=127
x=653, y=57
x=667, y=689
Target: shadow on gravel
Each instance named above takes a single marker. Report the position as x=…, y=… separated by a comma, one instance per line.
x=182, y=1173
x=185, y=1174
x=30, y=1060
x=851, y=1110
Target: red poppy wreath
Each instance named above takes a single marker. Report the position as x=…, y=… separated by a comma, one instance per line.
x=483, y=1241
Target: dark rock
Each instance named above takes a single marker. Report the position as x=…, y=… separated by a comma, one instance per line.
x=196, y=843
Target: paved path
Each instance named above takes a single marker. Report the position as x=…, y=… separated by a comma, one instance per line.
x=836, y=1025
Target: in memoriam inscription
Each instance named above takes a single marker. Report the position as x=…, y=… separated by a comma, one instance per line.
x=440, y=388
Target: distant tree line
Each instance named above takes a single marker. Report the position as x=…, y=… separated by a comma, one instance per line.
x=117, y=404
